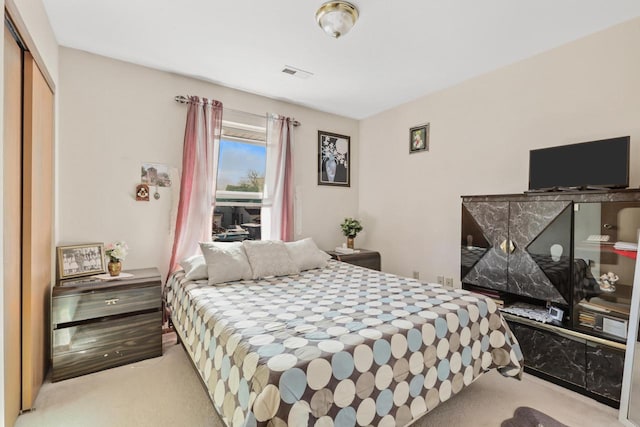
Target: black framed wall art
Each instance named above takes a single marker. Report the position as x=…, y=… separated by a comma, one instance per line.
x=334, y=159
x=419, y=138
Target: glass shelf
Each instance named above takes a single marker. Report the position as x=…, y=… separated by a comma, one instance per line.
x=601, y=306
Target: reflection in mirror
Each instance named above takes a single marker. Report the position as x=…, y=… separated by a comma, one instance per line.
x=474, y=243
x=630, y=400
x=547, y=251
x=603, y=267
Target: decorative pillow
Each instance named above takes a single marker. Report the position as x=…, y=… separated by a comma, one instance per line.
x=306, y=254
x=195, y=268
x=269, y=258
x=226, y=262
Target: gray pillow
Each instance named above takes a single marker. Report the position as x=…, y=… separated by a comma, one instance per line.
x=269, y=258
x=226, y=262
x=195, y=268
x=306, y=254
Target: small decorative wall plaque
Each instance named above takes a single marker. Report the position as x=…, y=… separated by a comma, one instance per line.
x=142, y=193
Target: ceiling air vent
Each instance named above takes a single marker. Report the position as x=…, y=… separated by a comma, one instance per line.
x=293, y=71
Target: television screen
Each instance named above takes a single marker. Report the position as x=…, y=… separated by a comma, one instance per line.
x=596, y=164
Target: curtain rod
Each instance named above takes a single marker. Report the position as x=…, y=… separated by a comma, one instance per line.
x=180, y=99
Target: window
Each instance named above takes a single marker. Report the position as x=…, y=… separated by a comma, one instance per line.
x=241, y=168
x=241, y=171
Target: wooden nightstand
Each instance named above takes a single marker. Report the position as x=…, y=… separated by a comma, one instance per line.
x=99, y=324
x=364, y=258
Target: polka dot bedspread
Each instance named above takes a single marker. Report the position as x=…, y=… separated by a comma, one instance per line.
x=341, y=346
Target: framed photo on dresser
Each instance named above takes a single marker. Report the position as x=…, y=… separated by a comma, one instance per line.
x=80, y=260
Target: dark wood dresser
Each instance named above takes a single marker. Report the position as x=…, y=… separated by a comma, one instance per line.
x=364, y=258
x=99, y=324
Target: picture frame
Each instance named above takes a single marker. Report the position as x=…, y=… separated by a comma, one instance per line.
x=80, y=260
x=419, y=138
x=155, y=174
x=142, y=193
x=334, y=159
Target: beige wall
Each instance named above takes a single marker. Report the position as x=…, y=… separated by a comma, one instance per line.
x=481, y=134
x=115, y=115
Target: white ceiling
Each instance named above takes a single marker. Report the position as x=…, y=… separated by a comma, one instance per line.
x=398, y=50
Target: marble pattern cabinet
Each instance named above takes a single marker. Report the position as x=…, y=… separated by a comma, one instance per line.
x=595, y=369
x=543, y=249
x=563, y=358
x=506, y=232
x=605, y=366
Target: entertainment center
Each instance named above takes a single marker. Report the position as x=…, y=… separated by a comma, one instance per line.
x=560, y=264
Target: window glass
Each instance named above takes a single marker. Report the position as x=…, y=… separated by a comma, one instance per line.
x=240, y=179
x=241, y=167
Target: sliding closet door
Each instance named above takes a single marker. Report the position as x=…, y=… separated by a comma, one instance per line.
x=37, y=229
x=12, y=198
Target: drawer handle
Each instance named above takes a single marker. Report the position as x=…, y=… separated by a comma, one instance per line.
x=112, y=301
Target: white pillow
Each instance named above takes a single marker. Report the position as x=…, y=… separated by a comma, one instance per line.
x=195, y=268
x=269, y=258
x=306, y=254
x=226, y=262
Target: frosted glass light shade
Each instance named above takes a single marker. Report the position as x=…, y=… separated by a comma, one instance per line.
x=336, y=18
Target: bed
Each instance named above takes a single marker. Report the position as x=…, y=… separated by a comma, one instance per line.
x=337, y=346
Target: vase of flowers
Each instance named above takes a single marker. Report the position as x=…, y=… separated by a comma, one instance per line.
x=350, y=228
x=116, y=252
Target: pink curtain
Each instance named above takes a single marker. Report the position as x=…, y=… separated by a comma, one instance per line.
x=277, y=212
x=198, y=183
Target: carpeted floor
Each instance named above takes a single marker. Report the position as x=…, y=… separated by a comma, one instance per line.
x=165, y=391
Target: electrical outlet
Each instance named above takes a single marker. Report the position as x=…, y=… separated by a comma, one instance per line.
x=416, y=274
x=441, y=280
x=449, y=282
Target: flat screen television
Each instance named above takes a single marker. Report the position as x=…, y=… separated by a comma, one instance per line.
x=595, y=164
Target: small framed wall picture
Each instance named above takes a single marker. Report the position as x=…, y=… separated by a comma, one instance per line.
x=155, y=174
x=142, y=193
x=334, y=159
x=419, y=138
x=80, y=260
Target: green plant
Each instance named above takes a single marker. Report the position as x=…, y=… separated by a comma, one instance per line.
x=351, y=227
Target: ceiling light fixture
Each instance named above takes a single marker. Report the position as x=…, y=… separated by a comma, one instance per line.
x=336, y=18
